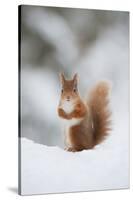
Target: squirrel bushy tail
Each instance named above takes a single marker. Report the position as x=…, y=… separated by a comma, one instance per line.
x=98, y=104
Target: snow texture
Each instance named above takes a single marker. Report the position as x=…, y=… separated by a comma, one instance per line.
x=52, y=170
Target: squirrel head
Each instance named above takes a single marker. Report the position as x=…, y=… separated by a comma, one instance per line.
x=69, y=88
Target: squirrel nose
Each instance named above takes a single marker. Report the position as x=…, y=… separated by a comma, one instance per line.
x=68, y=98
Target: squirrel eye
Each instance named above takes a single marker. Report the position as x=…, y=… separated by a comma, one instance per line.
x=62, y=91
x=74, y=90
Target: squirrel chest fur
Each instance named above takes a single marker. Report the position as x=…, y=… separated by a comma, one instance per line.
x=72, y=127
x=85, y=123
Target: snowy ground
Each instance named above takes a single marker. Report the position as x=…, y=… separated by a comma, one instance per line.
x=51, y=169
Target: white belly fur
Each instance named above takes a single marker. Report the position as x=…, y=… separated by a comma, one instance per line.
x=67, y=125
x=68, y=107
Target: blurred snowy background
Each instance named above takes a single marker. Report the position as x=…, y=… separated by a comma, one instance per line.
x=91, y=42
x=96, y=45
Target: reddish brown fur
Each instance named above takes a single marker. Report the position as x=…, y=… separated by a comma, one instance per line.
x=95, y=110
x=79, y=139
x=68, y=86
x=98, y=104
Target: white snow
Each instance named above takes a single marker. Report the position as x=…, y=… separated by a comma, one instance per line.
x=47, y=169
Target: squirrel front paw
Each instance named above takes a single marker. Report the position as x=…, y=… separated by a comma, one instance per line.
x=62, y=114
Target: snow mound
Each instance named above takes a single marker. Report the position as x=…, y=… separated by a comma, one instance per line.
x=47, y=169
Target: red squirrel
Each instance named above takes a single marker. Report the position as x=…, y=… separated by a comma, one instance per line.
x=86, y=123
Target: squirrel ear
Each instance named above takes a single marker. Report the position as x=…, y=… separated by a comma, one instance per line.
x=75, y=78
x=62, y=78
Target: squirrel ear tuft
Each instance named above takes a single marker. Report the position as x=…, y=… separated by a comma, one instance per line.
x=62, y=77
x=75, y=78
